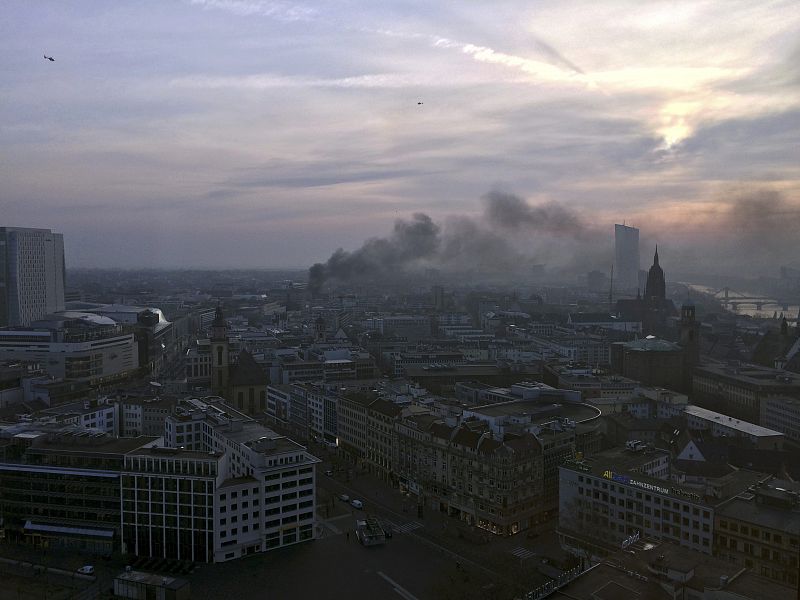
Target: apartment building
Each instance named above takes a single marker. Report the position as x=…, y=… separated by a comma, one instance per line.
x=143, y=416
x=494, y=483
x=381, y=450
x=279, y=402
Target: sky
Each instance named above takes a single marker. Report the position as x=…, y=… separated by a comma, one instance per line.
x=259, y=133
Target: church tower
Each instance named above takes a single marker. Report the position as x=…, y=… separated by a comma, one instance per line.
x=689, y=341
x=219, y=354
x=656, y=288
x=690, y=332
x=319, y=330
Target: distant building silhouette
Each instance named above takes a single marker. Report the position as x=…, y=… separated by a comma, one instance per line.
x=626, y=258
x=654, y=308
x=656, y=288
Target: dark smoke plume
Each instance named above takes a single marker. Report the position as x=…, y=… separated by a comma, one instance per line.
x=498, y=243
x=750, y=232
x=410, y=241
x=512, y=212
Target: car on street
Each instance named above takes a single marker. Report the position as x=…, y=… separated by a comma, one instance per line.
x=357, y=504
x=387, y=529
x=329, y=473
x=344, y=498
x=86, y=570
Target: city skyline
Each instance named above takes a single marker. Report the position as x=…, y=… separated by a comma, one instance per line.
x=248, y=133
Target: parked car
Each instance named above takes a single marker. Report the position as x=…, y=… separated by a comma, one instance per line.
x=344, y=498
x=86, y=570
x=329, y=473
x=357, y=504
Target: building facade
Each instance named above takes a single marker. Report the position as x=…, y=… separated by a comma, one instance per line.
x=75, y=346
x=760, y=530
x=626, y=258
x=256, y=489
x=494, y=484
x=31, y=274
x=616, y=494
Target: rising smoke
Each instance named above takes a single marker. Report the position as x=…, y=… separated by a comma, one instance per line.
x=510, y=237
x=748, y=232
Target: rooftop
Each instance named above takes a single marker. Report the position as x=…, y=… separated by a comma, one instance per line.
x=538, y=410
x=641, y=571
x=752, y=374
x=650, y=344
x=86, y=441
x=627, y=462
x=762, y=507
x=172, y=583
x=726, y=421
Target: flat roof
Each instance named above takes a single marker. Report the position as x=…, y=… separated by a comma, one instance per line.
x=762, y=514
x=100, y=444
x=178, y=453
x=642, y=562
x=153, y=579
x=753, y=374
x=624, y=462
x=726, y=421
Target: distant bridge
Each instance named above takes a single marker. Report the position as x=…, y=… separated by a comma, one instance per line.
x=733, y=300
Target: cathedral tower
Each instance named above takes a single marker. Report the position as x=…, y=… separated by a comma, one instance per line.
x=655, y=288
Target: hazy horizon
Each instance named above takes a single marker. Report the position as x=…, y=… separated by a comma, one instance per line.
x=257, y=133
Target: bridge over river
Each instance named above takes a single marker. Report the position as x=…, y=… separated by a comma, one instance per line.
x=752, y=304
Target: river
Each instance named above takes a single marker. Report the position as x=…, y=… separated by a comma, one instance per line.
x=766, y=312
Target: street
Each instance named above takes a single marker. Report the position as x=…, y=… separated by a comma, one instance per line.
x=335, y=567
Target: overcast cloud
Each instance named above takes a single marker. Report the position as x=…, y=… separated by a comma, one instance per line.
x=268, y=133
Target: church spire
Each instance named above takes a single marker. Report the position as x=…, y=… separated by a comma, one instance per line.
x=655, y=287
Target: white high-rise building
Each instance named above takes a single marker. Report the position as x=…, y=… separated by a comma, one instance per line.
x=31, y=274
x=626, y=258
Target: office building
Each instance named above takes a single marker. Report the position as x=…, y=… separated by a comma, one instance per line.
x=74, y=346
x=222, y=488
x=261, y=496
x=651, y=361
x=626, y=258
x=738, y=390
x=31, y=274
x=760, y=530
x=723, y=426
x=782, y=414
x=609, y=497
